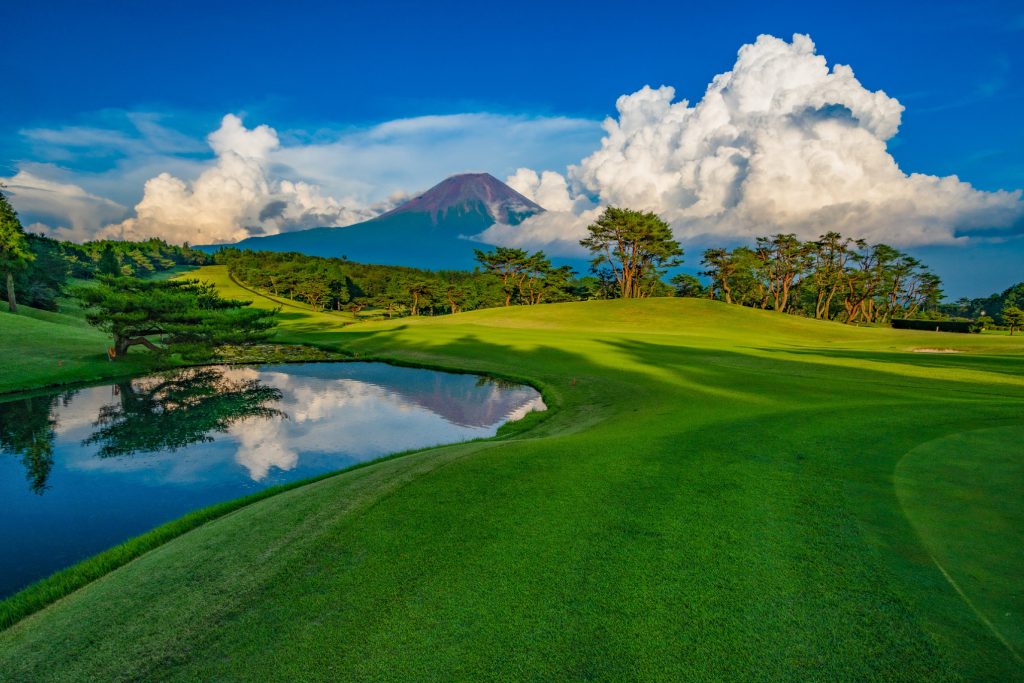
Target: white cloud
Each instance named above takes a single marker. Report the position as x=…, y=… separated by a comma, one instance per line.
x=779, y=143
x=233, y=199
x=262, y=182
x=548, y=189
x=557, y=233
x=69, y=211
x=415, y=153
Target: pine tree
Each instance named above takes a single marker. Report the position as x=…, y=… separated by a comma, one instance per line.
x=186, y=316
x=15, y=254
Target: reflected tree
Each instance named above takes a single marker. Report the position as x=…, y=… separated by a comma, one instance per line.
x=485, y=381
x=27, y=432
x=173, y=410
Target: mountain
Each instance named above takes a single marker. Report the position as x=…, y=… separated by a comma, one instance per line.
x=468, y=195
x=427, y=231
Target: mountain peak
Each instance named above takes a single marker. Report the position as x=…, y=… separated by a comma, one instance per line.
x=468, y=193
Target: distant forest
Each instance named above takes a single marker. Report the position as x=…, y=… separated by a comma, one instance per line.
x=46, y=276
x=833, y=278
x=340, y=284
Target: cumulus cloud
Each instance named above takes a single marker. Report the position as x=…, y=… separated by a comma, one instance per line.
x=557, y=233
x=262, y=181
x=779, y=143
x=62, y=210
x=549, y=189
x=233, y=199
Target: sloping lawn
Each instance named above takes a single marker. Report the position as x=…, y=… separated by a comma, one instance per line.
x=714, y=497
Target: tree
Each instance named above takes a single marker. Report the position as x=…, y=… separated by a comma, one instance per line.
x=829, y=256
x=687, y=285
x=634, y=245
x=421, y=293
x=108, y=264
x=1013, y=318
x=314, y=290
x=783, y=260
x=183, y=315
x=506, y=263
x=43, y=281
x=455, y=297
x=719, y=267
x=15, y=254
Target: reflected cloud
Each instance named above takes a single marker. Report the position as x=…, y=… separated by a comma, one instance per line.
x=259, y=425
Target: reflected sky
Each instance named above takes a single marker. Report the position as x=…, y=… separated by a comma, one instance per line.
x=84, y=470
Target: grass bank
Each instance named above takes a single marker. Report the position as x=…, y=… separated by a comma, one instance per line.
x=720, y=496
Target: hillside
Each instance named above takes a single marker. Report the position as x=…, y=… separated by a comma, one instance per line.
x=428, y=231
x=718, y=493
x=41, y=348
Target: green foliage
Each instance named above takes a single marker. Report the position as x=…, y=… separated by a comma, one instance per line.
x=685, y=284
x=338, y=284
x=15, y=254
x=990, y=306
x=184, y=315
x=43, y=281
x=109, y=264
x=1013, y=318
x=636, y=246
x=136, y=259
x=528, y=278
x=831, y=278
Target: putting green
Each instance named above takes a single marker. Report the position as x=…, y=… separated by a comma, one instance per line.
x=963, y=494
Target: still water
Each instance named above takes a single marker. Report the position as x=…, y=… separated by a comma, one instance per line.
x=85, y=469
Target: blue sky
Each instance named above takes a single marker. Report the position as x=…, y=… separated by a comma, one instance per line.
x=106, y=97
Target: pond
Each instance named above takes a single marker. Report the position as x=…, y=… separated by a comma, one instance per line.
x=84, y=469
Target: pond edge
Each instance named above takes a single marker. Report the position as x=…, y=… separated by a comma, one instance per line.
x=41, y=594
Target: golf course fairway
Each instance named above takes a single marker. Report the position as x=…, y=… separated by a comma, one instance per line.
x=718, y=493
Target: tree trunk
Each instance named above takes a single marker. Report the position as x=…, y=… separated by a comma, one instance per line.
x=12, y=301
x=121, y=345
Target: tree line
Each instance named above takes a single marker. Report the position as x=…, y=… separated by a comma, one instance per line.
x=830, y=278
x=1003, y=308
x=37, y=270
x=505, y=277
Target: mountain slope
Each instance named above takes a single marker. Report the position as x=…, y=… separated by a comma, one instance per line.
x=428, y=231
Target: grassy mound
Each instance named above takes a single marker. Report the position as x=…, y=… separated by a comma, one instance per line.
x=40, y=348
x=713, y=498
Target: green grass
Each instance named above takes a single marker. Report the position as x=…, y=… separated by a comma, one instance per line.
x=962, y=494
x=42, y=348
x=294, y=315
x=720, y=493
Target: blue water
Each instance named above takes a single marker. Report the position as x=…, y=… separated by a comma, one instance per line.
x=81, y=471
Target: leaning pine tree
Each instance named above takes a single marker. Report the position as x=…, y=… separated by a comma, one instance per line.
x=15, y=253
x=636, y=245
x=180, y=316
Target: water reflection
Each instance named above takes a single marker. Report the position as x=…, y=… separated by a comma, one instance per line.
x=171, y=411
x=27, y=432
x=106, y=463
